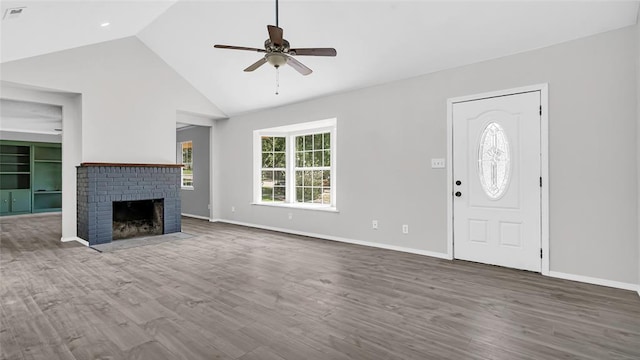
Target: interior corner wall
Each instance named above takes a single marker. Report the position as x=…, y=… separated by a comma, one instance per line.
x=196, y=201
x=71, y=144
x=130, y=98
x=388, y=134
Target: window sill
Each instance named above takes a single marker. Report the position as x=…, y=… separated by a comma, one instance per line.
x=300, y=206
x=186, y=188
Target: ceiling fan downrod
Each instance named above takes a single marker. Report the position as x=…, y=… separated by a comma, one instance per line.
x=277, y=14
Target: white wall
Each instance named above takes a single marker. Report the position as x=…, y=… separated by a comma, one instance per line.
x=127, y=107
x=71, y=143
x=129, y=98
x=388, y=134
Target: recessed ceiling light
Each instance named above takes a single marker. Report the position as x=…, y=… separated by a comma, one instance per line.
x=105, y=24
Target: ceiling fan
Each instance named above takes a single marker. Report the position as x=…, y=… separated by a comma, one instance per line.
x=278, y=52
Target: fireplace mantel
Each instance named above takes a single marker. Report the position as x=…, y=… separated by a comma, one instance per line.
x=99, y=164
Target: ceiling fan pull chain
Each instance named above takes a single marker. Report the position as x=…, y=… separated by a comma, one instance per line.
x=277, y=80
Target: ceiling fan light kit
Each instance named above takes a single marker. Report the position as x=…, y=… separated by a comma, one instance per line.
x=278, y=51
x=276, y=59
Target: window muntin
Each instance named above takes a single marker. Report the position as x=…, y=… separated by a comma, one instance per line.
x=273, y=172
x=186, y=178
x=313, y=168
x=494, y=161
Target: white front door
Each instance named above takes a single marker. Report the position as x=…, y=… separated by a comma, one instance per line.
x=496, y=175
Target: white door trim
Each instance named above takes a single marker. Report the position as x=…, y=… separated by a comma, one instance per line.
x=544, y=163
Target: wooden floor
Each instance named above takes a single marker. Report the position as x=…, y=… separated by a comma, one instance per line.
x=238, y=293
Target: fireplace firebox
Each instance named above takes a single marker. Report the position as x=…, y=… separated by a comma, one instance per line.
x=137, y=218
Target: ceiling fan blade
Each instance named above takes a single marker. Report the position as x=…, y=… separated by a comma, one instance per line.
x=300, y=67
x=275, y=35
x=256, y=65
x=237, y=48
x=315, y=52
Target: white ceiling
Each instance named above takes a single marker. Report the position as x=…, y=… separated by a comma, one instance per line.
x=377, y=41
x=49, y=26
x=30, y=117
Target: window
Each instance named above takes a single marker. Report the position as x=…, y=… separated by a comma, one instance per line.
x=273, y=169
x=295, y=165
x=186, y=149
x=313, y=168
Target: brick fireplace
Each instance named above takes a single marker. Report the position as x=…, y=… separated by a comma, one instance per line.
x=128, y=189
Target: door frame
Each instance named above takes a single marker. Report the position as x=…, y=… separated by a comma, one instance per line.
x=544, y=163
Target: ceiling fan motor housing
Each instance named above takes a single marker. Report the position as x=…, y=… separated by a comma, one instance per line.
x=271, y=47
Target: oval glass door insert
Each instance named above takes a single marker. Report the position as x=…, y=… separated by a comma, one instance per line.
x=494, y=161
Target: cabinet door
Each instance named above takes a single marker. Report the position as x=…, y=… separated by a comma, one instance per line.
x=21, y=201
x=5, y=198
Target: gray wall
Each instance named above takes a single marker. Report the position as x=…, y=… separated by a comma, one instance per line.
x=20, y=136
x=388, y=134
x=638, y=133
x=196, y=201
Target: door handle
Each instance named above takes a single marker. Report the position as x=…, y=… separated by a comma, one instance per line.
x=458, y=193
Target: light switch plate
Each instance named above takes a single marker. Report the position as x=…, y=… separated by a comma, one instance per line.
x=437, y=163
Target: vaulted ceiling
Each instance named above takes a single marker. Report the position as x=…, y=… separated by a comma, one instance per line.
x=377, y=41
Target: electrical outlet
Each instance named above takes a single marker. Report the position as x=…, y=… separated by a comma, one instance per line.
x=405, y=229
x=233, y=209
x=290, y=216
x=374, y=224
x=437, y=163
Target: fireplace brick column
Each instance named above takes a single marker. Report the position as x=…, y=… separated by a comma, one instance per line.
x=100, y=184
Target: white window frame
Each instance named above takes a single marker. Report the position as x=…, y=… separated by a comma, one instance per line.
x=290, y=132
x=180, y=156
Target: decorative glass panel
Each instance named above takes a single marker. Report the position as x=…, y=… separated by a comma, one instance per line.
x=494, y=161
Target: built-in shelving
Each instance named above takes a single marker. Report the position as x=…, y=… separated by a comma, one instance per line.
x=15, y=178
x=30, y=177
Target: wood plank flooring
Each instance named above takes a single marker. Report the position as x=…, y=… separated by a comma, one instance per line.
x=232, y=292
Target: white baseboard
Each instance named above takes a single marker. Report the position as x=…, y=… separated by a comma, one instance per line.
x=595, y=281
x=216, y=220
x=340, y=239
x=195, y=216
x=75, y=238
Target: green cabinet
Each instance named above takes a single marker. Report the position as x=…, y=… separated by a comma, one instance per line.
x=30, y=177
x=15, y=201
x=5, y=202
